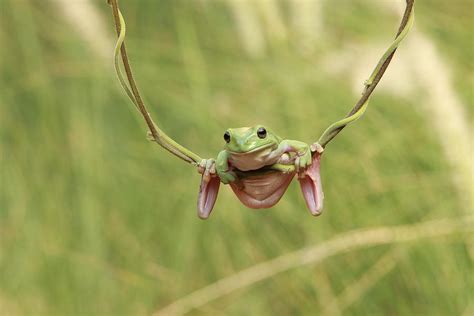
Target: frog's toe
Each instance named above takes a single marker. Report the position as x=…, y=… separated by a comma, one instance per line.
x=202, y=166
x=303, y=162
x=285, y=159
x=207, y=167
x=297, y=164
x=316, y=147
x=306, y=162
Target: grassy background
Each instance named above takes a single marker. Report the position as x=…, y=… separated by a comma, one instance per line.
x=94, y=220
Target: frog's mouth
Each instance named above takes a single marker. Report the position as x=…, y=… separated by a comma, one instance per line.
x=259, y=148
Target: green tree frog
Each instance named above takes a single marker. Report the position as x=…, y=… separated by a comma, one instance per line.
x=246, y=164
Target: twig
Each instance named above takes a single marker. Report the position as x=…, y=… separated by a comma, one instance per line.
x=173, y=147
x=158, y=135
x=374, y=79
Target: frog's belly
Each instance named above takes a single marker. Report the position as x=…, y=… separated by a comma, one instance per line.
x=262, y=191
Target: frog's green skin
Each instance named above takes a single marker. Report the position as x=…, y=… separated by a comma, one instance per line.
x=248, y=150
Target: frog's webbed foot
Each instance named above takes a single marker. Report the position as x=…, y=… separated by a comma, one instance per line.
x=310, y=182
x=209, y=187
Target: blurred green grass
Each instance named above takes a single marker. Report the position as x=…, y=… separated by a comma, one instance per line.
x=94, y=220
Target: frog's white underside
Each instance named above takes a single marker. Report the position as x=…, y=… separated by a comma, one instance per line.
x=262, y=191
x=254, y=160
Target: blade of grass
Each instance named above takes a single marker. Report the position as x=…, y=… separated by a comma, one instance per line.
x=338, y=245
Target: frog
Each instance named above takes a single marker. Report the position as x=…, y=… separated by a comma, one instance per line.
x=259, y=165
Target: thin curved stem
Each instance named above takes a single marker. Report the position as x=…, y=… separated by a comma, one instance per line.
x=132, y=91
x=169, y=144
x=374, y=79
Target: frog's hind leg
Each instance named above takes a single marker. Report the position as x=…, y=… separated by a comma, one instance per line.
x=209, y=188
x=310, y=182
x=207, y=196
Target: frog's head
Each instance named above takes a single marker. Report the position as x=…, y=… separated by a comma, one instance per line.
x=249, y=139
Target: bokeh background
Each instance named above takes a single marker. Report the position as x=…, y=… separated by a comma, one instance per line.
x=95, y=220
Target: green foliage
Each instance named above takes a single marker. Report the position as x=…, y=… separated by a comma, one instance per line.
x=94, y=220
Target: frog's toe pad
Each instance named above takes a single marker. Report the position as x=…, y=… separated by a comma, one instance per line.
x=311, y=187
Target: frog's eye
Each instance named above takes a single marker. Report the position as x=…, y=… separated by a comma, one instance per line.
x=261, y=132
x=227, y=137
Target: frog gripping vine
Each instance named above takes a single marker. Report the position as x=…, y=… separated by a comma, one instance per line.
x=256, y=163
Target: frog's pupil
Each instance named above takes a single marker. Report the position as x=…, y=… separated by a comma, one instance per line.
x=261, y=132
x=227, y=137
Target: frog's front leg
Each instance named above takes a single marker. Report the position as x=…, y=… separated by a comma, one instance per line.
x=302, y=151
x=223, y=169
